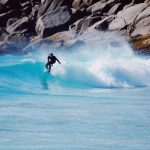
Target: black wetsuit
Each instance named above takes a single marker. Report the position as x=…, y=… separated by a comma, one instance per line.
x=51, y=61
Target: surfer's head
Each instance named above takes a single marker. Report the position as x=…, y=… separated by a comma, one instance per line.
x=51, y=54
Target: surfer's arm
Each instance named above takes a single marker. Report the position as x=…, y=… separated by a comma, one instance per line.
x=58, y=60
x=48, y=59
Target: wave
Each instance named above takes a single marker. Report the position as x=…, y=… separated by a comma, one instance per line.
x=30, y=77
x=105, y=65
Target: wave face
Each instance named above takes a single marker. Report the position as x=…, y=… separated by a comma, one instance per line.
x=106, y=65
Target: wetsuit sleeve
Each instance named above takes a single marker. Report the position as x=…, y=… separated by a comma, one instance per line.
x=48, y=58
x=57, y=60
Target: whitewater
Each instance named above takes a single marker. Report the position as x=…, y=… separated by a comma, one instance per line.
x=97, y=99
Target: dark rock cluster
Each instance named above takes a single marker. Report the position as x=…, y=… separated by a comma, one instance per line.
x=24, y=23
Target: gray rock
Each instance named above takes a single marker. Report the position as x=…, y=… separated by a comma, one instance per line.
x=142, y=23
x=85, y=22
x=26, y=8
x=53, y=22
x=10, y=14
x=115, y=9
x=142, y=27
x=77, y=14
x=19, y=26
x=26, y=11
x=56, y=41
x=126, y=17
x=147, y=1
x=3, y=34
x=43, y=1
x=103, y=24
x=98, y=7
x=52, y=5
x=35, y=12
x=62, y=36
x=77, y=4
x=145, y=13
x=11, y=21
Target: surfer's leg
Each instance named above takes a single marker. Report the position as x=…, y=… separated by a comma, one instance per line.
x=49, y=69
x=46, y=66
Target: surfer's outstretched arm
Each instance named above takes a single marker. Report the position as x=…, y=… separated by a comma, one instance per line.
x=58, y=60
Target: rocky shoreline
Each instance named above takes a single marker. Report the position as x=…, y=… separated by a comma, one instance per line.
x=25, y=24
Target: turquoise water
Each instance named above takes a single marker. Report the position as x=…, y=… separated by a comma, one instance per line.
x=98, y=101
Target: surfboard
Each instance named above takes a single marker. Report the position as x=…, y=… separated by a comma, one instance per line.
x=45, y=70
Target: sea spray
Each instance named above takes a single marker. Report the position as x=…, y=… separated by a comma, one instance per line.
x=109, y=63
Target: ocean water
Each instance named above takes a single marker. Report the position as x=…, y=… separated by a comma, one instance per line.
x=98, y=98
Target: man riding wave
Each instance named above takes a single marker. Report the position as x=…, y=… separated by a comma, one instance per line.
x=51, y=60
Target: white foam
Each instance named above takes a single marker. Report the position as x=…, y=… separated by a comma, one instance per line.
x=109, y=62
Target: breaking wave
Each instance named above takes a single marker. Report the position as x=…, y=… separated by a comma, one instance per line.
x=87, y=67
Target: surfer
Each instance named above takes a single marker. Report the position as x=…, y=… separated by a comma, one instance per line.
x=51, y=60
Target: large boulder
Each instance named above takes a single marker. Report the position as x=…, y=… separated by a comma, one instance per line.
x=52, y=5
x=85, y=22
x=126, y=17
x=90, y=2
x=145, y=13
x=98, y=7
x=21, y=26
x=53, y=22
x=147, y=1
x=103, y=24
x=115, y=9
x=11, y=21
x=62, y=36
x=142, y=27
x=142, y=23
